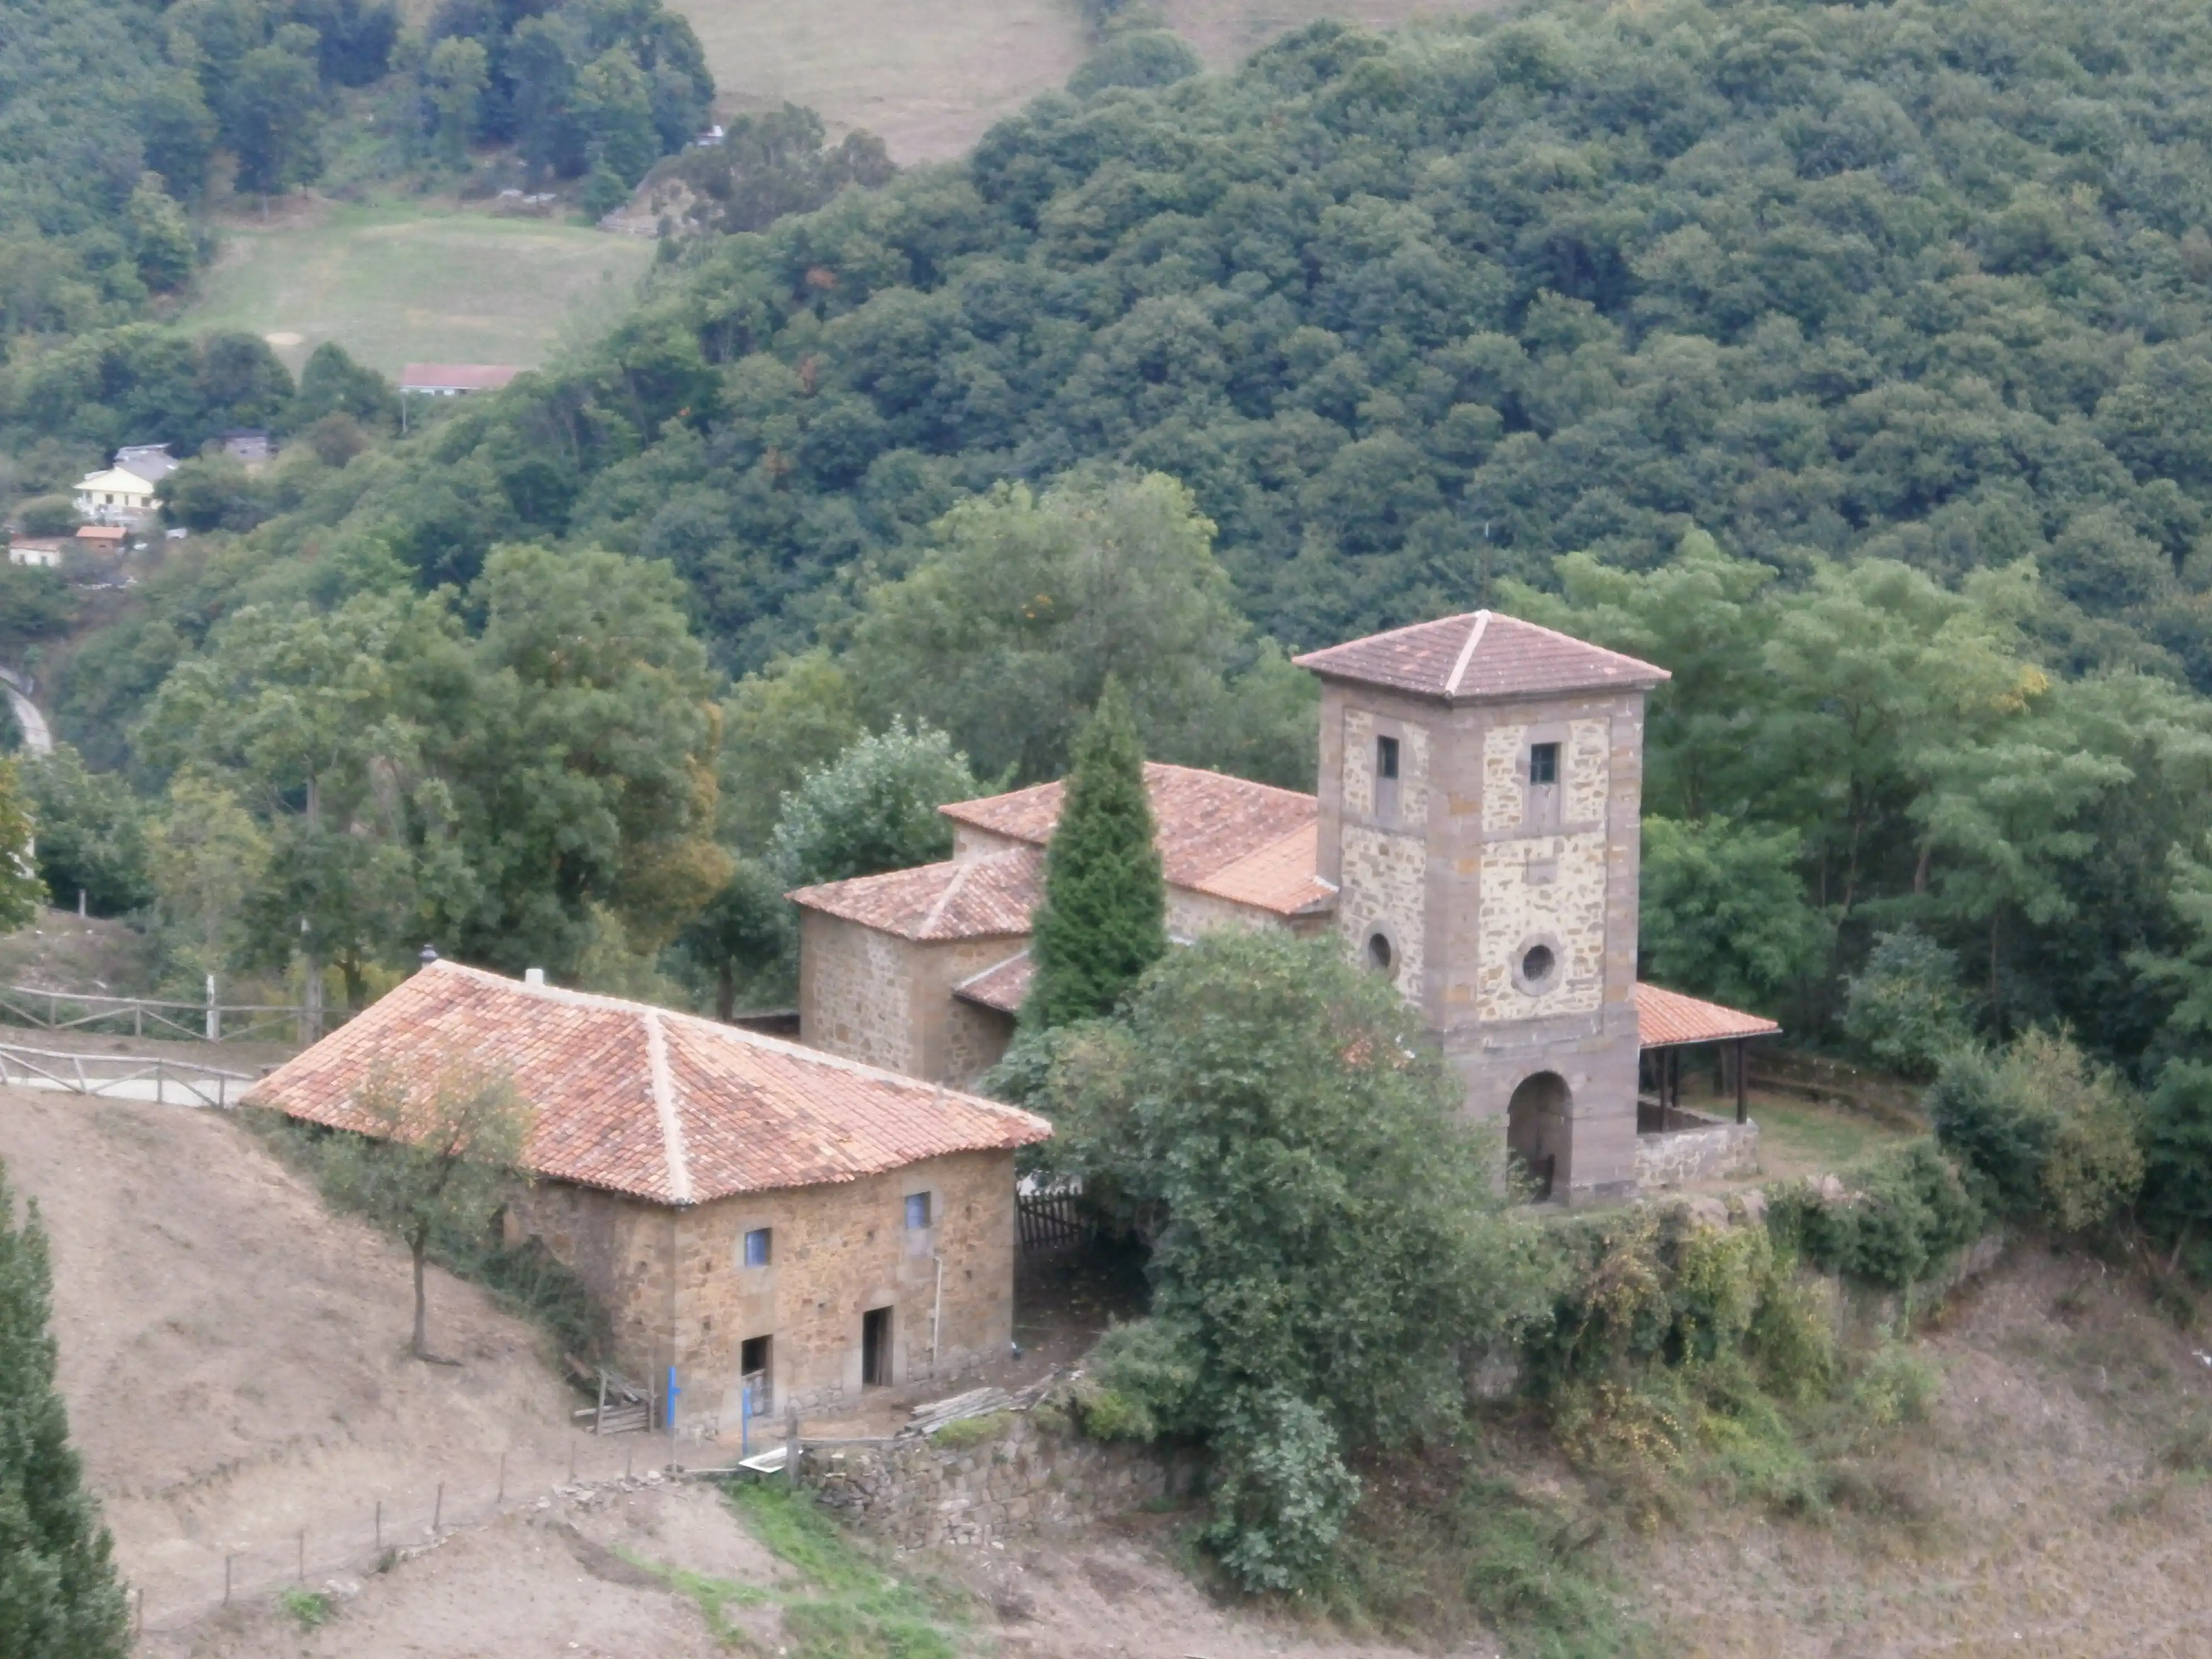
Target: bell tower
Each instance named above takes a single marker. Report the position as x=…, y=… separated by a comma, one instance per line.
x=1480, y=791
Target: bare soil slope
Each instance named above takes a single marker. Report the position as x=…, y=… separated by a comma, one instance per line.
x=2055, y=1503
x=234, y=1362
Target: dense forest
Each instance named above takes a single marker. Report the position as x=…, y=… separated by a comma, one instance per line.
x=1856, y=363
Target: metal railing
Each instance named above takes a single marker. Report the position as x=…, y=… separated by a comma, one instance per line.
x=123, y=1077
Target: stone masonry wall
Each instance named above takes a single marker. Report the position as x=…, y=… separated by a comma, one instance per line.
x=836, y=1252
x=1022, y=1481
x=1681, y=1156
x=856, y=992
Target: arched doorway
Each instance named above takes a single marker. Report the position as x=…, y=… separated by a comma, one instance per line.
x=1536, y=1131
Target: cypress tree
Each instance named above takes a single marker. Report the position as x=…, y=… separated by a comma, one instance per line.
x=1104, y=920
x=59, y=1598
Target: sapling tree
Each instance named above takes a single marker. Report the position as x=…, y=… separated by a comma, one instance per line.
x=435, y=1162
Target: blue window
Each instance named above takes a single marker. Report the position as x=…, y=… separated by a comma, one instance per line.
x=917, y=1210
x=756, y=1248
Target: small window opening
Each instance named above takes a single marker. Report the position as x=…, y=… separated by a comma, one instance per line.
x=876, y=1348
x=757, y=1251
x=754, y=1369
x=1544, y=763
x=1379, y=953
x=917, y=1211
x=1385, y=758
x=1536, y=966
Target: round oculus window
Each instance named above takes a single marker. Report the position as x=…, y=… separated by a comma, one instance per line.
x=1537, y=965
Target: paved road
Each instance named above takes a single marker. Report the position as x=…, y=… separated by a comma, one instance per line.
x=36, y=737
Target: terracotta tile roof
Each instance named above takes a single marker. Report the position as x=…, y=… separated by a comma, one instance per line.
x=1483, y=653
x=1664, y=1019
x=661, y=1105
x=963, y=898
x=1005, y=986
x=1213, y=828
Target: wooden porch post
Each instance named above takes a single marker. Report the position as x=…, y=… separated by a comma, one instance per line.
x=1742, y=1109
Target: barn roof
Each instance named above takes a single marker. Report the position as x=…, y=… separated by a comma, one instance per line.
x=662, y=1106
x=1482, y=653
x=961, y=898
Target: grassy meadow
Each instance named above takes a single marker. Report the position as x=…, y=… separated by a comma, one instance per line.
x=395, y=283
x=929, y=79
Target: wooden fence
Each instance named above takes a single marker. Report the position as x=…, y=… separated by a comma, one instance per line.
x=209, y=1021
x=123, y=1077
x=1053, y=1220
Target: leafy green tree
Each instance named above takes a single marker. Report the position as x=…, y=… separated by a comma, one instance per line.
x=1006, y=631
x=21, y=892
x=794, y=717
x=2178, y=1152
x=332, y=383
x=744, y=938
x=1325, y=1227
x=272, y=118
x=91, y=834
x=457, y=73
x=430, y=1163
x=59, y=1596
x=1905, y=1008
x=160, y=237
x=178, y=132
x=208, y=860
x=214, y=492
x=1724, y=911
x=873, y=809
x=1104, y=920
x=2056, y=1136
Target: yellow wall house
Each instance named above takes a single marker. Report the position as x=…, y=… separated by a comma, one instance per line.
x=115, y=497
x=776, y=1223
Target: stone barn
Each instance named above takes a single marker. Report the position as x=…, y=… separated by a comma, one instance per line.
x=751, y=1211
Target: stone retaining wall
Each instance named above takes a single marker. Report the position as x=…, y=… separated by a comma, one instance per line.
x=1020, y=1479
x=1680, y=1156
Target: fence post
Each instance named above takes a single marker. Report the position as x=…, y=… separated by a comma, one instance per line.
x=791, y=1445
x=214, y=1013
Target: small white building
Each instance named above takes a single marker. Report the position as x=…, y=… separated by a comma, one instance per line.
x=43, y=551
x=117, y=495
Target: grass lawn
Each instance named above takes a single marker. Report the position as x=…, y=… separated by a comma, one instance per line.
x=1798, y=1138
x=395, y=283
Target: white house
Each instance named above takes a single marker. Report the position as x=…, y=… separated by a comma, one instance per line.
x=117, y=495
x=453, y=380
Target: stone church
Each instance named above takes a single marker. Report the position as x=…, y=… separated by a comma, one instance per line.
x=1475, y=837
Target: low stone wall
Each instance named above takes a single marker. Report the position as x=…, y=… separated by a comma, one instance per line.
x=1020, y=1479
x=1681, y=1156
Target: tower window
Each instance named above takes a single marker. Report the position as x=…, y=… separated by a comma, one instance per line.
x=1544, y=763
x=917, y=1211
x=757, y=1253
x=1536, y=965
x=1385, y=758
x=1379, y=954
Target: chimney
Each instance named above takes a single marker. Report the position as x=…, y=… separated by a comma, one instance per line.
x=533, y=976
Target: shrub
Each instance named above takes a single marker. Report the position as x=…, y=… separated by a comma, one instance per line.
x=1905, y=1009
x=1902, y=1216
x=309, y=1609
x=1281, y=1492
x=2050, y=1134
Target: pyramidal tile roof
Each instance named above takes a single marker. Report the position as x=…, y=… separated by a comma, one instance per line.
x=961, y=898
x=1483, y=653
x=1664, y=1019
x=662, y=1106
